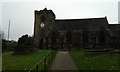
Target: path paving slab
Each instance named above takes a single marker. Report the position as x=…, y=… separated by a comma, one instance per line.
x=63, y=61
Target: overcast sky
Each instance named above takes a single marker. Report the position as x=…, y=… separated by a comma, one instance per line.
x=21, y=13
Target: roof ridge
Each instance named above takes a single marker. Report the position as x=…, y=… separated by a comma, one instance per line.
x=82, y=18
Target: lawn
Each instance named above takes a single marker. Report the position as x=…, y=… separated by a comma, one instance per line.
x=100, y=61
x=0, y=61
x=21, y=62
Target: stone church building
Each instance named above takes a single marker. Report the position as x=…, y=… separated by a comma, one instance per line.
x=74, y=33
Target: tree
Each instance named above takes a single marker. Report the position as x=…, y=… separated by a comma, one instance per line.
x=25, y=41
x=1, y=37
x=3, y=42
x=25, y=44
x=8, y=45
x=2, y=34
x=4, y=45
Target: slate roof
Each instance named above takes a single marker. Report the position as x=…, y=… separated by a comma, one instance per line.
x=92, y=24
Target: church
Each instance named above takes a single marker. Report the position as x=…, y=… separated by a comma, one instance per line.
x=51, y=33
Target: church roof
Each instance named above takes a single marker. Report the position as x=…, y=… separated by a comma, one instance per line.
x=91, y=24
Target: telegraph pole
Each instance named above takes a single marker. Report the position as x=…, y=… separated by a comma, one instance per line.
x=8, y=34
x=8, y=30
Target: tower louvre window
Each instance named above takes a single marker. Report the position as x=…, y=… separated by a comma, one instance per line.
x=42, y=18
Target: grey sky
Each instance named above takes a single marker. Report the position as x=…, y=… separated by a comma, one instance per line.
x=21, y=14
x=119, y=12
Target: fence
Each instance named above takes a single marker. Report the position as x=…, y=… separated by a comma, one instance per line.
x=44, y=63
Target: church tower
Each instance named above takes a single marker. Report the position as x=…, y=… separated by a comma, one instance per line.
x=44, y=20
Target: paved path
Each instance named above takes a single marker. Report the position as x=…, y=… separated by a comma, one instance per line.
x=63, y=61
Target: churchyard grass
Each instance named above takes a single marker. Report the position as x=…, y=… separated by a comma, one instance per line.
x=22, y=62
x=96, y=61
x=0, y=61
